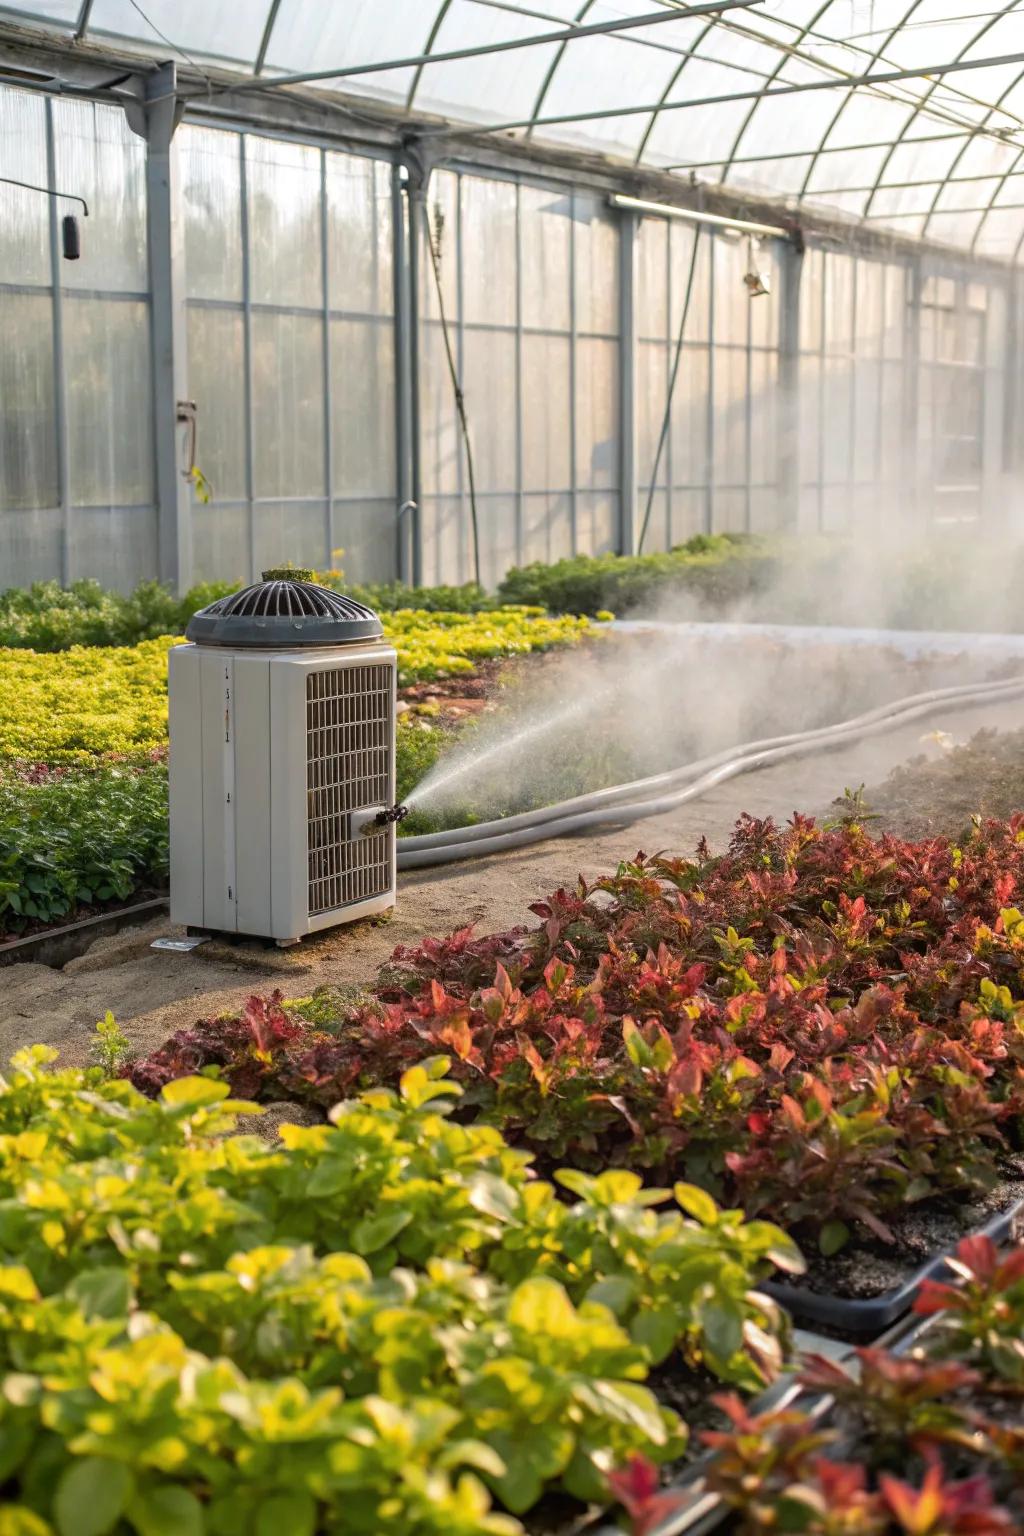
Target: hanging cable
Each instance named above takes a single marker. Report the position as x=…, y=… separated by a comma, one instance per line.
x=666, y=420
x=434, y=246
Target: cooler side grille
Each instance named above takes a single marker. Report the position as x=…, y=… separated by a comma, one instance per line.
x=350, y=715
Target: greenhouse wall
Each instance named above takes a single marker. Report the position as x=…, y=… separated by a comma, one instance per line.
x=863, y=388
x=76, y=421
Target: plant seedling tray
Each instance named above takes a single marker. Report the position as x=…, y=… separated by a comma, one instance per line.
x=861, y=1316
x=701, y=1512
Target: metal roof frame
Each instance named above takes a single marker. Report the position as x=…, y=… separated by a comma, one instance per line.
x=803, y=53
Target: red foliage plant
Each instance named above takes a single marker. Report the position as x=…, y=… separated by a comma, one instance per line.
x=772, y=1470
x=818, y=1025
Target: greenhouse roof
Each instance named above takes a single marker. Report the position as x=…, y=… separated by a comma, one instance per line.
x=906, y=113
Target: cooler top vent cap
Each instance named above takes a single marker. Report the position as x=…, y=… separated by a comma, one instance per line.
x=284, y=609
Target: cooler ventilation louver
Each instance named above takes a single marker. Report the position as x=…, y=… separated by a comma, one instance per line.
x=286, y=600
x=349, y=738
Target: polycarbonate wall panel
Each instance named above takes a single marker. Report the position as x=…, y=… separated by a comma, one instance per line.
x=109, y=407
x=283, y=185
x=288, y=406
x=957, y=320
x=903, y=408
x=211, y=192
x=290, y=266
x=97, y=154
x=856, y=390
x=216, y=369
x=28, y=432
x=529, y=278
x=24, y=215
x=78, y=501
x=718, y=465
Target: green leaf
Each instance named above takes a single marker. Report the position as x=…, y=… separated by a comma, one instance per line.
x=16, y=1440
x=294, y=1513
x=418, y=1085
x=531, y=1458
x=329, y=1177
x=16, y=1520
x=193, y=1092
x=577, y=1183
x=722, y=1325
x=637, y=1049
x=167, y=1511
x=91, y=1496
x=492, y=1196
x=779, y=1247
x=656, y=1329
x=101, y=1292
x=542, y=1305
x=616, y=1292
x=833, y=1236
x=797, y=1507
x=696, y=1203
x=625, y=1402
x=375, y=1232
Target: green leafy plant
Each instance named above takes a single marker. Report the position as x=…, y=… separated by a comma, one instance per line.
x=380, y=1323
x=83, y=837
x=111, y=1049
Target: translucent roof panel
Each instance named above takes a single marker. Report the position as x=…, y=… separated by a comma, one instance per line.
x=907, y=113
x=232, y=33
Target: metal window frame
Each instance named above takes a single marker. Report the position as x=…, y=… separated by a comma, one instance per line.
x=54, y=289
x=551, y=170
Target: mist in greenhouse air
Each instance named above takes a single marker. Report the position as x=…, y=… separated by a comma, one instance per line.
x=629, y=703
x=862, y=552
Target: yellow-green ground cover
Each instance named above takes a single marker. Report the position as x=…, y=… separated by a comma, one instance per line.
x=83, y=781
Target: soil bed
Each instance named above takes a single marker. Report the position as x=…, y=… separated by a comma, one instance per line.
x=869, y=1268
x=930, y=797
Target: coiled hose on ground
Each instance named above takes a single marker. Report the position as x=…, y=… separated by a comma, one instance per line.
x=620, y=804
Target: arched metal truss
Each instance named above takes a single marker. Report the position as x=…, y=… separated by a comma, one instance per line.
x=907, y=114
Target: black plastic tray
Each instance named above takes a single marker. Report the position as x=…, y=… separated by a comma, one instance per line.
x=701, y=1513
x=862, y=1315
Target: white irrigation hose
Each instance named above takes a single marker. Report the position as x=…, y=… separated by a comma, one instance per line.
x=639, y=788
x=612, y=807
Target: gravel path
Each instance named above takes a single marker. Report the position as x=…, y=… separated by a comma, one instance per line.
x=152, y=993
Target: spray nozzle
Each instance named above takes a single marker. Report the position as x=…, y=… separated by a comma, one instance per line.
x=388, y=818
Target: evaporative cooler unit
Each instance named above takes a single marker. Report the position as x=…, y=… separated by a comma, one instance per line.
x=282, y=763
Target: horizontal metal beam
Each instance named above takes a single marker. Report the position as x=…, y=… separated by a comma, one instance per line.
x=840, y=149
x=380, y=130
x=507, y=45
x=698, y=216
x=840, y=82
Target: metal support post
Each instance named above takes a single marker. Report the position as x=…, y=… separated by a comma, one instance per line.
x=331, y=534
x=156, y=120
x=915, y=466
x=60, y=401
x=405, y=497
x=627, y=382
x=792, y=263
x=416, y=203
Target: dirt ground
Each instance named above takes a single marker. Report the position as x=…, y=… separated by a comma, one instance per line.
x=151, y=993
